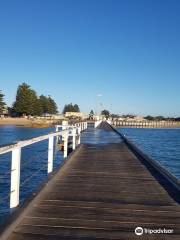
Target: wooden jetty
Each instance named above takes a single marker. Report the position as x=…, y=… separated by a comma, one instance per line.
x=103, y=191
x=146, y=124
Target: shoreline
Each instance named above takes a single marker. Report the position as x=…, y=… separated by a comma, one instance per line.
x=23, y=122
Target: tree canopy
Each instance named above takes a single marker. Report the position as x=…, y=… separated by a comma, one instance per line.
x=2, y=103
x=28, y=103
x=91, y=114
x=113, y=115
x=106, y=113
x=150, y=118
x=47, y=104
x=26, y=100
x=71, y=108
x=156, y=118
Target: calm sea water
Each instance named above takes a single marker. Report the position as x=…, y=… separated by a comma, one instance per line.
x=163, y=145
x=33, y=163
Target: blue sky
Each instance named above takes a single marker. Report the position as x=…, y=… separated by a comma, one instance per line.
x=126, y=50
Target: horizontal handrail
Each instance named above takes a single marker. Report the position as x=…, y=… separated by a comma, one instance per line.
x=67, y=130
x=97, y=123
x=27, y=142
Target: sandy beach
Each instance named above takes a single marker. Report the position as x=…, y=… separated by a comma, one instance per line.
x=15, y=121
x=23, y=122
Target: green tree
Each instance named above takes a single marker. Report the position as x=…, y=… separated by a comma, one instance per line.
x=106, y=113
x=71, y=108
x=26, y=101
x=37, y=108
x=76, y=108
x=114, y=115
x=48, y=105
x=52, y=106
x=43, y=101
x=159, y=118
x=2, y=103
x=150, y=118
x=91, y=114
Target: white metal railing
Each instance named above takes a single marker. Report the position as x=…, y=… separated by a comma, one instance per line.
x=73, y=130
x=97, y=123
x=109, y=121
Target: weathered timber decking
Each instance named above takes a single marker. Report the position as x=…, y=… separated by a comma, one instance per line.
x=102, y=192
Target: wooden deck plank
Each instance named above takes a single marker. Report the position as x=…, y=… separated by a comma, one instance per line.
x=76, y=234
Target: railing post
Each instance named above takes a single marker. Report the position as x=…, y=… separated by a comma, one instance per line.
x=79, y=135
x=65, y=145
x=57, y=128
x=50, y=154
x=74, y=138
x=57, y=137
x=15, y=177
x=64, y=125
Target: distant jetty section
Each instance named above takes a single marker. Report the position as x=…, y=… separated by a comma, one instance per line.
x=146, y=124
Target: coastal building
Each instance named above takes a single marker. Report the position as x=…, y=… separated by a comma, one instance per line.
x=4, y=112
x=99, y=117
x=130, y=118
x=51, y=116
x=79, y=115
x=139, y=119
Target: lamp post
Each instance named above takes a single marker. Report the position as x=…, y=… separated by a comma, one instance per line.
x=98, y=103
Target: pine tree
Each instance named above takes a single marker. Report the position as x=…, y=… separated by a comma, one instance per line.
x=106, y=113
x=91, y=114
x=2, y=103
x=26, y=101
x=71, y=108
x=76, y=108
x=52, y=107
x=38, y=111
x=43, y=101
x=48, y=105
